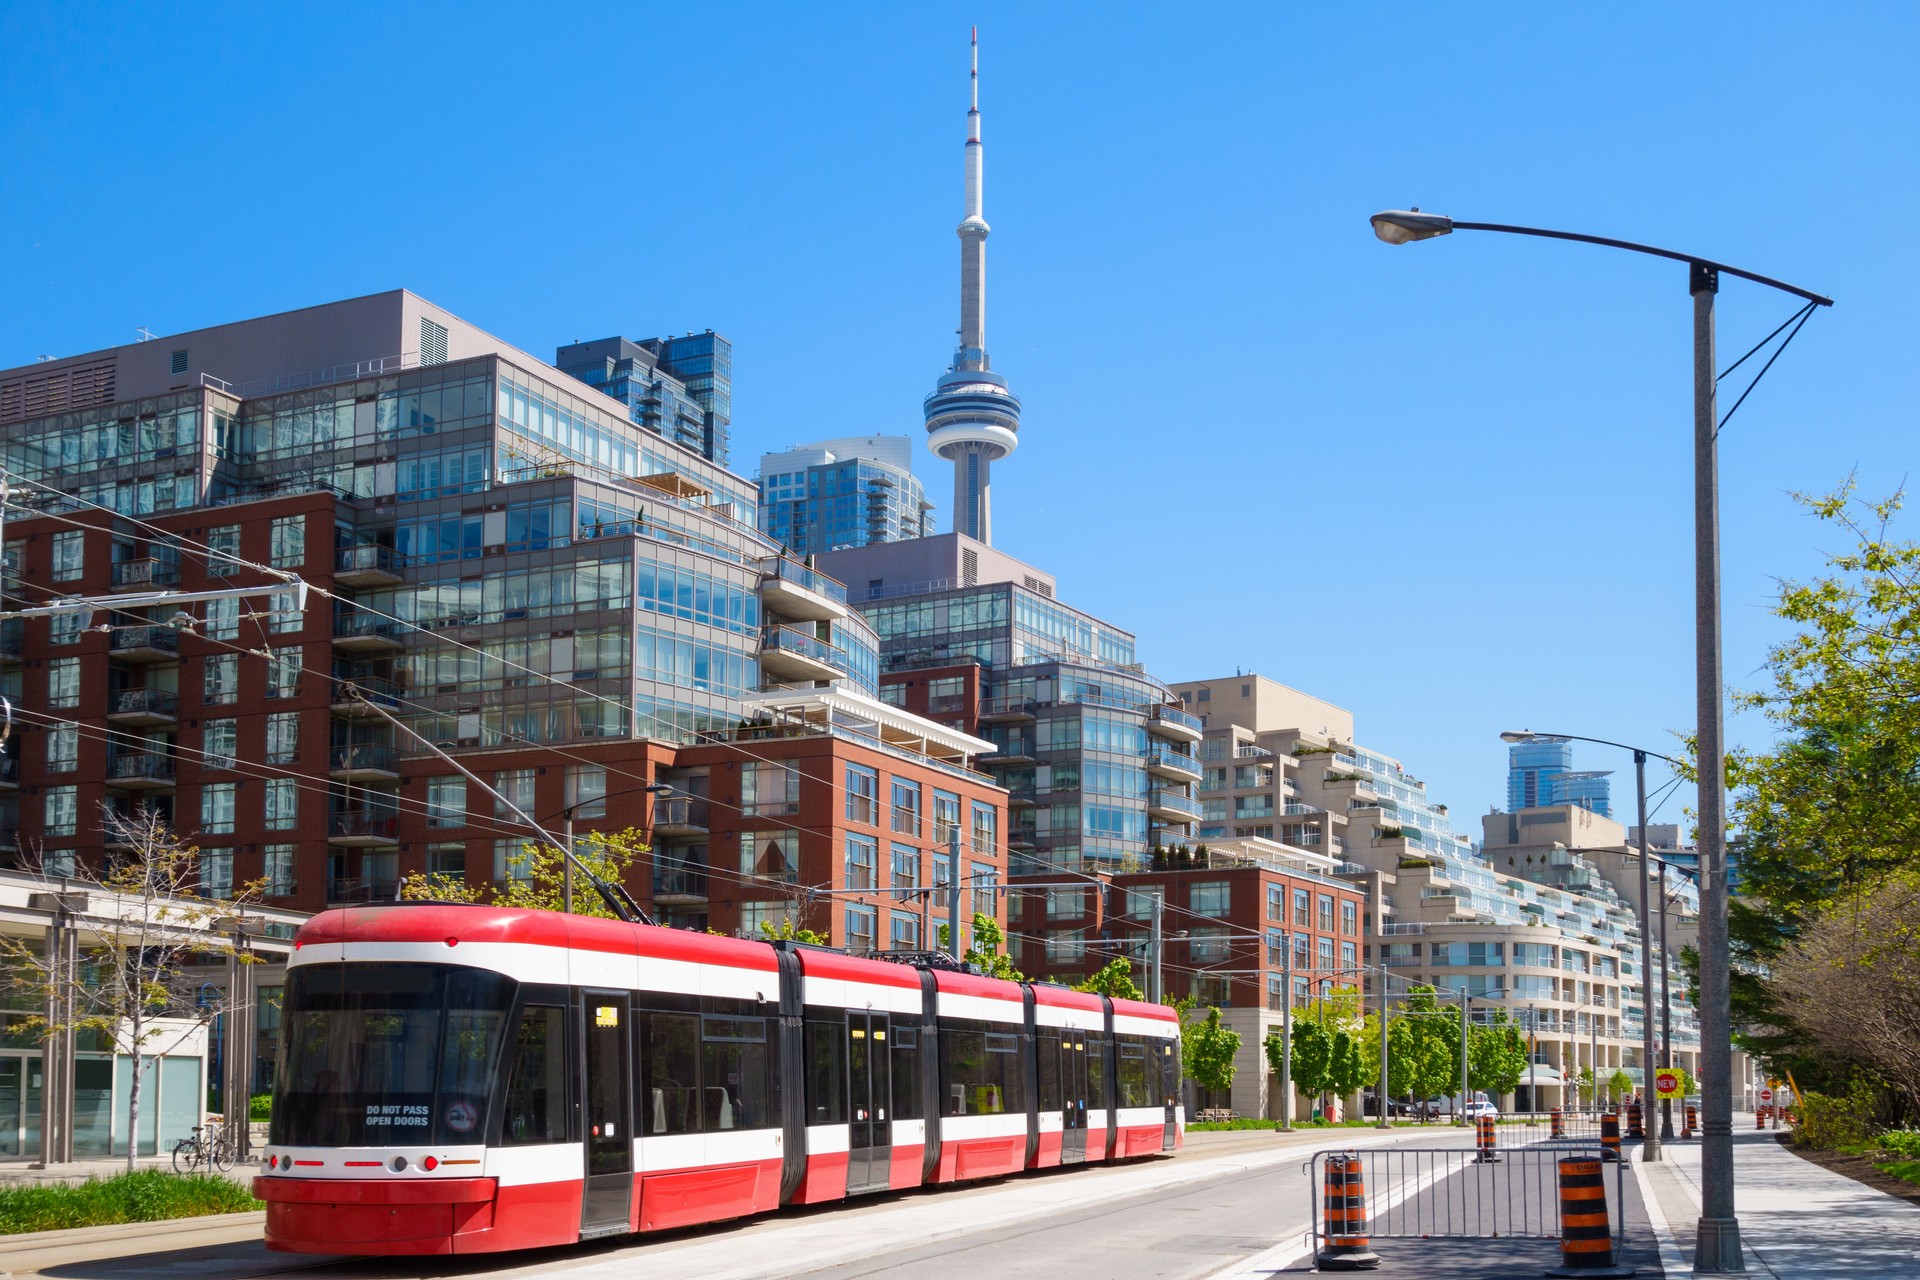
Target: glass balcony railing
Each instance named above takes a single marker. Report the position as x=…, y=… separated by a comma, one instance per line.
x=143, y=767
x=375, y=689
x=362, y=889
x=367, y=559
x=13, y=639
x=367, y=757
x=373, y=826
x=129, y=639
x=782, y=639
x=1159, y=799
x=356, y=626
x=680, y=880
x=1173, y=758
x=153, y=702
x=1174, y=715
x=130, y=574
x=800, y=576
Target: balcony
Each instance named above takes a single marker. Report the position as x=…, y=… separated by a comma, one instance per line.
x=788, y=653
x=144, y=644
x=357, y=696
x=142, y=707
x=364, y=762
x=792, y=590
x=365, y=633
x=366, y=567
x=360, y=830
x=1171, y=762
x=1000, y=709
x=1171, y=806
x=1014, y=748
x=679, y=818
x=9, y=774
x=145, y=575
x=346, y=892
x=143, y=772
x=1171, y=722
x=679, y=884
x=13, y=640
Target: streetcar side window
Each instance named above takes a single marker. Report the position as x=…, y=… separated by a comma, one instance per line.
x=672, y=1058
x=1049, y=1050
x=826, y=1071
x=906, y=1073
x=734, y=1093
x=537, y=1078
x=1135, y=1088
x=980, y=1070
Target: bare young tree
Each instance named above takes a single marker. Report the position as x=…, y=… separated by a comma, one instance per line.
x=1851, y=980
x=146, y=919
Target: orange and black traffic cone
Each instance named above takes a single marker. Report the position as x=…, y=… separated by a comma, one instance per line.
x=1485, y=1146
x=1609, y=1137
x=1586, y=1237
x=1559, y=1121
x=1344, y=1213
x=1636, y=1128
x=1693, y=1122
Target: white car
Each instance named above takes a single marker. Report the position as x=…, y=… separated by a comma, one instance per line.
x=1479, y=1105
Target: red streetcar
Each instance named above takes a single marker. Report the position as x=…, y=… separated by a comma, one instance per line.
x=461, y=1079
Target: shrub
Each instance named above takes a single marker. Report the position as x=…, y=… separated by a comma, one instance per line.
x=1901, y=1142
x=260, y=1107
x=1833, y=1123
x=146, y=1196
x=1222, y=1126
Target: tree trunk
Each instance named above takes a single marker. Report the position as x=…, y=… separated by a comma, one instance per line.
x=133, y=1099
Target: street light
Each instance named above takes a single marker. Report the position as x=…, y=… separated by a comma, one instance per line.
x=566, y=863
x=1651, y=1149
x=1717, y=1237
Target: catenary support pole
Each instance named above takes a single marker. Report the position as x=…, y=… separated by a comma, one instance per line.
x=1286, y=1035
x=1650, y=1149
x=1466, y=1016
x=954, y=946
x=1157, y=940
x=1381, y=1121
x=1717, y=1238
x=1666, y=1002
x=566, y=866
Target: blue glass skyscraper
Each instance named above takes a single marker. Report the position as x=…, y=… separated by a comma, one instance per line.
x=849, y=492
x=1541, y=772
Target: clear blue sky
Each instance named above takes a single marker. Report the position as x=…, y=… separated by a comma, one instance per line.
x=1446, y=485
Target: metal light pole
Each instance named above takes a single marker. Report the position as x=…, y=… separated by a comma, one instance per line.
x=1286, y=1034
x=1466, y=1016
x=1649, y=1149
x=1717, y=1238
x=1666, y=994
x=1381, y=1122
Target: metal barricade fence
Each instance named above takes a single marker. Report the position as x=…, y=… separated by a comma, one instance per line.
x=1451, y=1192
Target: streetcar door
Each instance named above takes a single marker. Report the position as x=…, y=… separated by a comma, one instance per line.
x=1073, y=1099
x=606, y=1204
x=870, y=1102
x=1170, y=1087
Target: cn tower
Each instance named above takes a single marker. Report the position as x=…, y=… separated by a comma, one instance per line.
x=972, y=419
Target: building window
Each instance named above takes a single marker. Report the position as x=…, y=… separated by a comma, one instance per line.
x=216, y=807
x=894, y=695
x=223, y=545
x=905, y=868
x=904, y=932
x=986, y=824
x=771, y=855
x=1066, y=946
x=1475, y=954
x=69, y=554
x=289, y=548
x=447, y=862
x=862, y=925
x=1066, y=904
x=216, y=873
x=1302, y=907
x=863, y=795
x=512, y=861
x=1210, y=897
x=513, y=787
x=1326, y=953
x=1347, y=955
x=1209, y=943
x=906, y=807
x=283, y=804
x=586, y=791
x=63, y=808
x=948, y=693
x=447, y=801
x=283, y=737
x=862, y=853
x=63, y=682
x=220, y=678
x=985, y=880
x=770, y=788
x=1350, y=918
x=284, y=615
x=220, y=742
x=283, y=671
x=1326, y=913
x=63, y=748
x=942, y=872
x=1276, y=903
x=946, y=817
x=278, y=864
x=1213, y=990
x=223, y=619
x=65, y=628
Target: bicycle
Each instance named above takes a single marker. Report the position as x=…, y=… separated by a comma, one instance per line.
x=209, y=1145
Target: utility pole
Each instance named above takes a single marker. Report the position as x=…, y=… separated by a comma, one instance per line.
x=953, y=893
x=1286, y=1034
x=1466, y=1016
x=1156, y=942
x=1381, y=1121
x=1650, y=1148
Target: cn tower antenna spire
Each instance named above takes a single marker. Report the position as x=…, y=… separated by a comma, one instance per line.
x=972, y=419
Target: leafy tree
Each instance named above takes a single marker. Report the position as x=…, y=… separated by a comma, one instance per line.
x=1114, y=980
x=1496, y=1055
x=536, y=876
x=1400, y=1045
x=789, y=930
x=1312, y=1056
x=1207, y=1050
x=1435, y=1047
x=1619, y=1084
x=1326, y=1047
x=1346, y=1066
x=985, y=954
x=142, y=967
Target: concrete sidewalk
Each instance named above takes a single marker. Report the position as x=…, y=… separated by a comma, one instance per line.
x=1798, y=1221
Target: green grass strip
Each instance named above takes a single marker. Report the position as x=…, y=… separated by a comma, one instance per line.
x=147, y=1196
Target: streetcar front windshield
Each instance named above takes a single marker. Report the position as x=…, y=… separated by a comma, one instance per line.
x=377, y=1055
